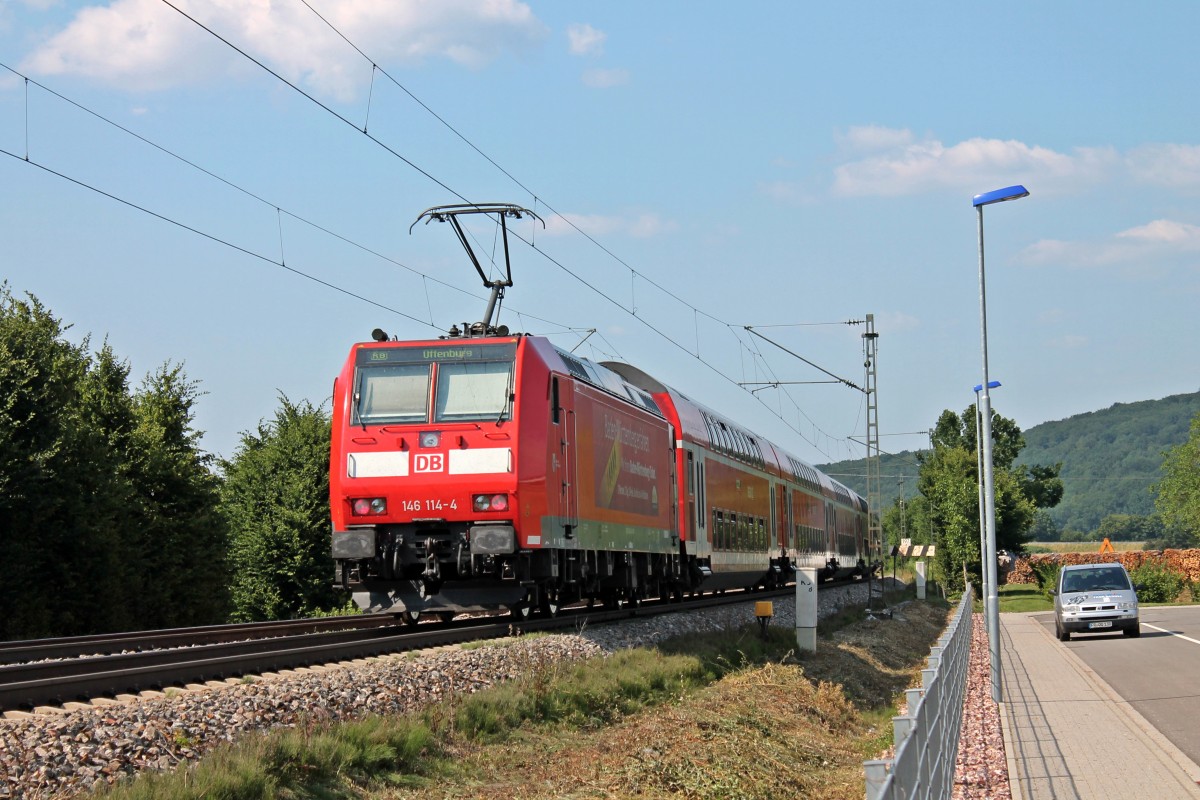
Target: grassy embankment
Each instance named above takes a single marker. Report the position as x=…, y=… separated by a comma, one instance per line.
x=700, y=716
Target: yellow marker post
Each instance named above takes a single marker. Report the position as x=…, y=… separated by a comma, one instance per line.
x=763, y=611
x=1106, y=546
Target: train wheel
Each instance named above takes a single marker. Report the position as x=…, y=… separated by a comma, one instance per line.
x=410, y=617
x=549, y=604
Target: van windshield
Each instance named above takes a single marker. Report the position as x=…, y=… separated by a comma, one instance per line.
x=1095, y=580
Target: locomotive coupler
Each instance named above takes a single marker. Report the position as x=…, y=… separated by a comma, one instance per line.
x=431, y=579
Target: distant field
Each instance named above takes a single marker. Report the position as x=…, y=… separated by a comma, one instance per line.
x=1079, y=547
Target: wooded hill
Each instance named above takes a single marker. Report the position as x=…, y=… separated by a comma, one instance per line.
x=1110, y=459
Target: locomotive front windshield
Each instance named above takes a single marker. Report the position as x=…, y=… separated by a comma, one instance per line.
x=393, y=393
x=473, y=391
x=469, y=384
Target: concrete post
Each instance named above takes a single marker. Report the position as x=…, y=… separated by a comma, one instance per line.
x=920, y=580
x=806, y=609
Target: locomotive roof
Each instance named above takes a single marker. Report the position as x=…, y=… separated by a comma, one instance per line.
x=603, y=378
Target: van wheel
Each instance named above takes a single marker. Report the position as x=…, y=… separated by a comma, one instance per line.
x=1134, y=632
x=1063, y=634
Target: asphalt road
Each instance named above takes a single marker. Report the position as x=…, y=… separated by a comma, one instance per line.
x=1158, y=674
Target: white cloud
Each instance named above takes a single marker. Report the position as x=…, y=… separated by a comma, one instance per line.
x=605, y=78
x=641, y=226
x=1169, y=165
x=896, y=163
x=584, y=40
x=144, y=44
x=1070, y=341
x=1167, y=232
x=780, y=191
x=897, y=322
x=1144, y=246
x=890, y=162
x=871, y=138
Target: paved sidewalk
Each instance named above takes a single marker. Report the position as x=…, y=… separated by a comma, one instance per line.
x=1069, y=735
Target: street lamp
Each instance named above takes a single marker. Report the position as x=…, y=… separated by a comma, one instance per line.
x=992, y=602
x=979, y=480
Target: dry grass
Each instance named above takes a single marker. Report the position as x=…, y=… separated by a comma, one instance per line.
x=797, y=728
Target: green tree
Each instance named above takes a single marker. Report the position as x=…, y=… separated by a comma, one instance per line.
x=181, y=536
x=1129, y=528
x=94, y=536
x=1044, y=529
x=949, y=481
x=55, y=479
x=275, y=496
x=1179, y=490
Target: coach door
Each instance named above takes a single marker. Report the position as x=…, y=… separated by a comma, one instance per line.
x=563, y=468
x=779, y=515
x=690, y=469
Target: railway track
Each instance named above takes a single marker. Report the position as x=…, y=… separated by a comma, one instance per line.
x=60, y=671
x=109, y=643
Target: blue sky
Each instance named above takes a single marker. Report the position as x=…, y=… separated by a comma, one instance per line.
x=771, y=164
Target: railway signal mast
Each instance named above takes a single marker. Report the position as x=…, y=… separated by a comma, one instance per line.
x=874, y=493
x=502, y=211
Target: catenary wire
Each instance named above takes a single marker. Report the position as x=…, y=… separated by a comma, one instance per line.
x=375, y=66
x=254, y=196
x=435, y=180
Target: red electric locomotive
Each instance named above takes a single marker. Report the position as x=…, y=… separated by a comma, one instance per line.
x=488, y=471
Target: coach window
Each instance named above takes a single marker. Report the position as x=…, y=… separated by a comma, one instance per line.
x=554, y=409
x=392, y=393
x=473, y=391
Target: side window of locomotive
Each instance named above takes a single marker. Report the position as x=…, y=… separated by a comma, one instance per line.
x=473, y=391
x=393, y=393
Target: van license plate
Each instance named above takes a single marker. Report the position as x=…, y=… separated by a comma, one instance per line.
x=1105, y=624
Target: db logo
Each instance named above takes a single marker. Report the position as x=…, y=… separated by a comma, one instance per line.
x=429, y=462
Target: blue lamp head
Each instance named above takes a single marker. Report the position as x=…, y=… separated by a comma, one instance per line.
x=1000, y=195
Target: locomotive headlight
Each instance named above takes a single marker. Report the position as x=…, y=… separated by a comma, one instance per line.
x=490, y=502
x=369, y=506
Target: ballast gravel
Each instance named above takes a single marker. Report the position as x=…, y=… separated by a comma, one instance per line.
x=54, y=755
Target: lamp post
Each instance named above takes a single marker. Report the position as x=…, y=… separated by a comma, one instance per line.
x=992, y=602
x=979, y=484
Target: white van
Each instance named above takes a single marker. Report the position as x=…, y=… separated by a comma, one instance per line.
x=1095, y=598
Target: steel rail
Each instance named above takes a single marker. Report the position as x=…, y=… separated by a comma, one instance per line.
x=107, y=643
x=29, y=685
